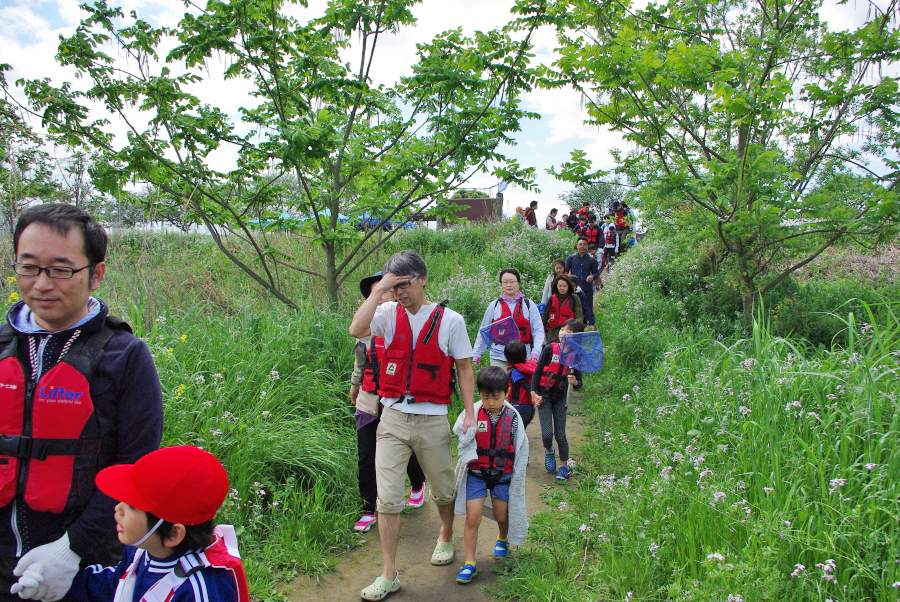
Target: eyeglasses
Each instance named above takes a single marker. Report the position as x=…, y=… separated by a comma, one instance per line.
x=403, y=285
x=60, y=272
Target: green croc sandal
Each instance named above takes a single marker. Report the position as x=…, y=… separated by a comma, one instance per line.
x=380, y=589
x=443, y=553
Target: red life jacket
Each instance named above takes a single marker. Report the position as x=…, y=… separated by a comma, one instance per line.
x=611, y=237
x=522, y=323
x=620, y=218
x=494, y=444
x=52, y=442
x=554, y=373
x=424, y=373
x=558, y=313
x=374, y=353
x=592, y=233
x=221, y=554
x=517, y=393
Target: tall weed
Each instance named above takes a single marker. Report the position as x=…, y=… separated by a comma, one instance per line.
x=758, y=469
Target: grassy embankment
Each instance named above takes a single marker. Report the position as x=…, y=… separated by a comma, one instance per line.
x=713, y=412
x=265, y=388
x=730, y=463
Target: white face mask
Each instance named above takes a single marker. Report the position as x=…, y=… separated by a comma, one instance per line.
x=149, y=533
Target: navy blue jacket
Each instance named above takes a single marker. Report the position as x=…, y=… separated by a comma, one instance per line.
x=124, y=389
x=581, y=267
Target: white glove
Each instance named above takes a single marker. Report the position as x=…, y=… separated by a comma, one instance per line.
x=29, y=583
x=49, y=569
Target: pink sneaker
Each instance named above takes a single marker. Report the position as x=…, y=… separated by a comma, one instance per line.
x=365, y=523
x=416, y=497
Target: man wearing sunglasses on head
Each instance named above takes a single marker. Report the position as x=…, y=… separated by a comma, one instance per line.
x=78, y=393
x=424, y=342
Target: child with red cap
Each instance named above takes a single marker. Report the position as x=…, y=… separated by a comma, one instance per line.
x=174, y=551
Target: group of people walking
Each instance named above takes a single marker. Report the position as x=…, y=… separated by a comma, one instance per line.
x=411, y=354
x=606, y=236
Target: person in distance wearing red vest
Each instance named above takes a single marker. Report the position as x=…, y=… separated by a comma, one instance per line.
x=523, y=311
x=520, y=371
x=496, y=464
x=548, y=392
x=424, y=342
x=80, y=393
x=174, y=552
x=367, y=355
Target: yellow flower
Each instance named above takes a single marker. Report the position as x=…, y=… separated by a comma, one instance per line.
x=13, y=297
x=10, y=280
x=184, y=338
x=179, y=390
x=169, y=352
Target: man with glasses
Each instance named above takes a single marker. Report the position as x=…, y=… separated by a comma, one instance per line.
x=424, y=342
x=78, y=393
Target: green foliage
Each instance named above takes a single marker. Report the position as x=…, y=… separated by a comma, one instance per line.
x=600, y=195
x=25, y=167
x=469, y=193
x=273, y=409
x=754, y=468
x=349, y=145
x=756, y=117
x=812, y=311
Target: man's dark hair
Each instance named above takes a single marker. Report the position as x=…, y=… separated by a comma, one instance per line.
x=552, y=210
x=196, y=537
x=512, y=271
x=492, y=379
x=61, y=217
x=580, y=238
x=406, y=263
x=574, y=325
x=534, y=203
x=515, y=352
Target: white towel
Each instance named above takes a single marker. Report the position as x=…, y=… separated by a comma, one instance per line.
x=518, y=517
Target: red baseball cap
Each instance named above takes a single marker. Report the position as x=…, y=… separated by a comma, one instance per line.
x=182, y=484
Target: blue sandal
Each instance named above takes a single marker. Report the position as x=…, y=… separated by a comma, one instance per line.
x=501, y=549
x=466, y=573
x=550, y=461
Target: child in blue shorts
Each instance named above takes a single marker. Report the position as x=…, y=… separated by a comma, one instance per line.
x=500, y=448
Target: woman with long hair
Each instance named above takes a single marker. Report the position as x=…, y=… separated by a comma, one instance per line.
x=564, y=305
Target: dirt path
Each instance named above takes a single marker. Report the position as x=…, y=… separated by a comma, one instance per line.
x=418, y=534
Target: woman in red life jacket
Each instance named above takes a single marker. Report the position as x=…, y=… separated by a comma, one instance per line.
x=524, y=312
x=520, y=371
x=564, y=305
x=548, y=393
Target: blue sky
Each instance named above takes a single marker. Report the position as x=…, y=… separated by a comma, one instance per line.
x=30, y=29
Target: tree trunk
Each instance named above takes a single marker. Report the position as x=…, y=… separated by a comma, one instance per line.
x=746, y=288
x=331, y=275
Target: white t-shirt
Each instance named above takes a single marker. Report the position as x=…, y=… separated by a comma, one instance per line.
x=452, y=340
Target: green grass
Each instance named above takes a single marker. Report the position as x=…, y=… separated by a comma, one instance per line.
x=717, y=463
x=265, y=389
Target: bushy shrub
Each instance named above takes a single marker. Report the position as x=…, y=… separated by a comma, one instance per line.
x=814, y=310
x=469, y=294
